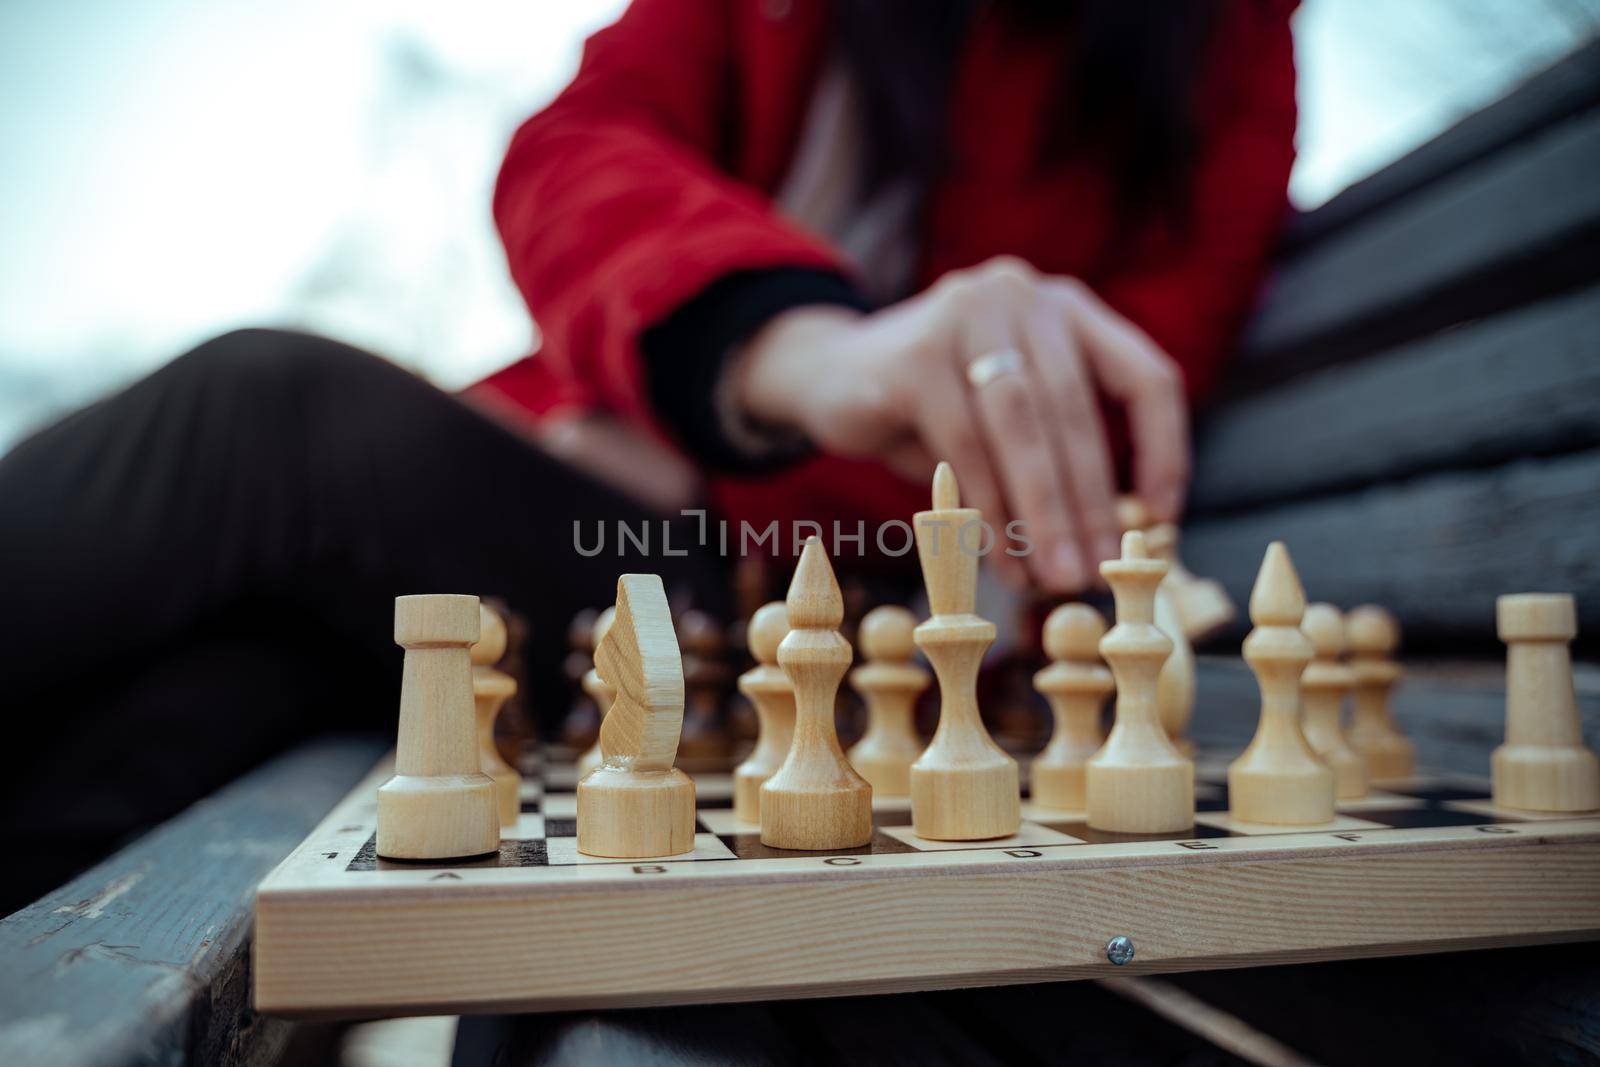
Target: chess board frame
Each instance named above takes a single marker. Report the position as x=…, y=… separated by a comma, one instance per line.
x=537, y=927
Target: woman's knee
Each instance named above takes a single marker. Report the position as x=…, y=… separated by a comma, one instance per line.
x=265, y=363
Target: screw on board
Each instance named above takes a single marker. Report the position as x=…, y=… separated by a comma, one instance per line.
x=1119, y=950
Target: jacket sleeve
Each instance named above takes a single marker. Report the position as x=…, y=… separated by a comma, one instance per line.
x=611, y=206
x=1192, y=292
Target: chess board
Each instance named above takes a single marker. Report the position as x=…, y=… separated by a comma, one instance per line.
x=1421, y=865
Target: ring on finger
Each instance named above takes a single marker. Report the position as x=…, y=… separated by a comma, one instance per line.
x=991, y=365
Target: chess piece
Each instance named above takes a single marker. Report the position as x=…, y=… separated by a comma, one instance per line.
x=581, y=728
x=1543, y=766
x=772, y=695
x=964, y=787
x=889, y=683
x=491, y=689
x=1138, y=783
x=1322, y=689
x=598, y=690
x=1175, y=686
x=439, y=804
x=815, y=800
x=636, y=804
x=705, y=679
x=1076, y=684
x=1202, y=604
x=1372, y=635
x=1279, y=779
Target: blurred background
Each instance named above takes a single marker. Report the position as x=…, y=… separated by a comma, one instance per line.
x=175, y=168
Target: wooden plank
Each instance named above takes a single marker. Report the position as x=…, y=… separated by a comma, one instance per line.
x=1518, y=225
x=145, y=958
x=1511, y=1006
x=1520, y=384
x=1436, y=550
x=1453, y=711
x=1560, y=91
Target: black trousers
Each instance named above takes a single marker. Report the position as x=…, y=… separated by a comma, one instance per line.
x=200, y=570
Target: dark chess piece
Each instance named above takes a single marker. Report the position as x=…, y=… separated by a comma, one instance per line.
x=707, y=679
x=582, y=724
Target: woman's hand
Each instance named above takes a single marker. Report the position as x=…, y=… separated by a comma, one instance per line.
x=995, y=368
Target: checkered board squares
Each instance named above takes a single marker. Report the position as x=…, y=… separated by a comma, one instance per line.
x=545, y=835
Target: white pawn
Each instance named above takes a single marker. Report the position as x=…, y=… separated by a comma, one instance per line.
x=439, y=804
x=1138, y=782
x=598, y=690
x=772, y=695
x=1076, y=684
x=889, y=683
x=1279, y=780
x=1175, y=685
x=1322, y=689
x=1543, y=766
x=491, y=689
x=1373, y=635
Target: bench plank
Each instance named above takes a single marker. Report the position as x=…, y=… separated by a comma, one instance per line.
x=1562, y=90
x=1436, y=550
x=1516, y=226
x=1519, y=384
x=144, y=958
x=1453, y=711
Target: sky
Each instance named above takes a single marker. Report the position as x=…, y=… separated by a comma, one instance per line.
x=174, y=168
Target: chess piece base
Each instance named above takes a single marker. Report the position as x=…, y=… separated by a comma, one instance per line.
x=1545, y=778
x=886, y=769
x=1059, y=785
x=625, y=814
x=816, y=822
x=437, y=817
x=971, y=802
x=507, y=792
x=1386, y=756
x=1142, y=798
x=1297, y=796
x=747, y=783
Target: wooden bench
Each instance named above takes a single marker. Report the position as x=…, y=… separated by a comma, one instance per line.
x=1417, y=409
x=1417, y=413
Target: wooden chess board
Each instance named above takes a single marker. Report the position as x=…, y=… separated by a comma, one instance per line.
x=1422, y=865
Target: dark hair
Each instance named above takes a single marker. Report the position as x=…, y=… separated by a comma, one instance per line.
x=1126, y=92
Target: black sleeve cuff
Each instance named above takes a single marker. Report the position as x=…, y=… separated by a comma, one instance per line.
x=684, y=355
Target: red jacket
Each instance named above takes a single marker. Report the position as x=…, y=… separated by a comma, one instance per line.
x=621, y=201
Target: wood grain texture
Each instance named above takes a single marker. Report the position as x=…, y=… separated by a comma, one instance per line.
x=1435, y=550
x=858, y=929
x=1538, y=363
x=815, y=800
x=1543, y=764
x=146, y=957
x=636, y=804
x=1512, y=227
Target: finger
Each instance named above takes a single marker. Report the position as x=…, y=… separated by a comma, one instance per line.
x=949, y=432
x=1077, y=431
x=1132, y=369
x=1020, y=450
